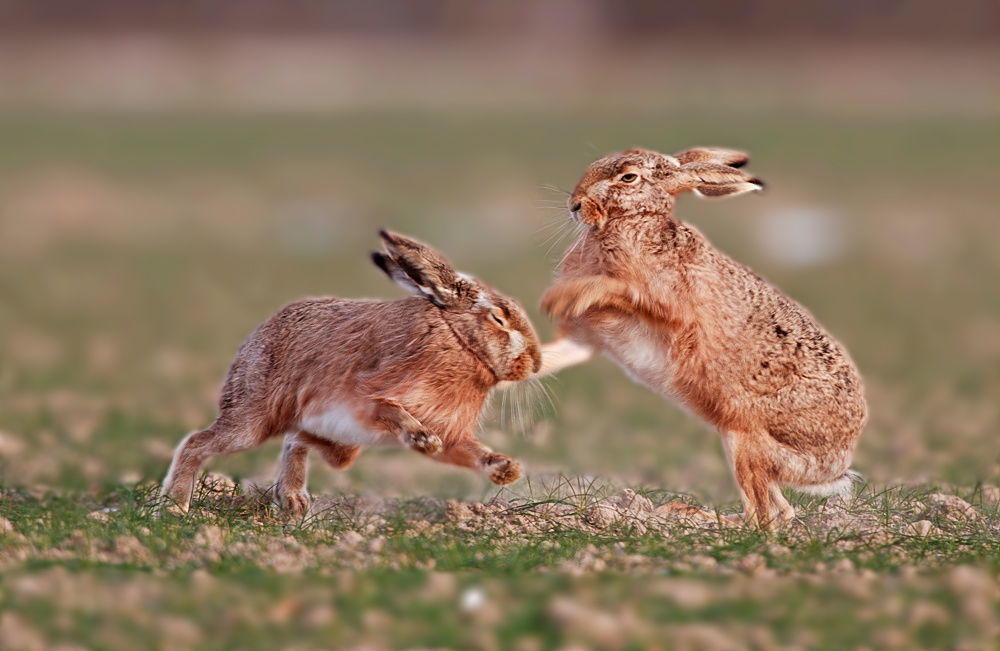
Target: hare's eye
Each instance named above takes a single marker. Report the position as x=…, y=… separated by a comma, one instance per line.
x=628, y=178
x=498, y=319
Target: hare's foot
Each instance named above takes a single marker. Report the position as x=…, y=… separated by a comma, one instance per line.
x=168, y=507
x=423, y=442
x=470, y=453
x=777, y=520
x=780, y=512
x=501, y=469
x=221, y=438
x=294, y=504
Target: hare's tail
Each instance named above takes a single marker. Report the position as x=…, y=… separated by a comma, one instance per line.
x=840, y=486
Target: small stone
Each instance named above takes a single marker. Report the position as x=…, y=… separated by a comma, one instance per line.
x=350, y=540
x=376, y=545
x=843, y=566
x=211, y=536
x=602, y=515
x=459, y=511
x=319, y=616
x=5, y=526
x=218, y=484
x=473, y=598
x=949, y=507
x=751, y=563
x=991, y=495
x=99, y=516
x=440, y=586
x=635, y=505
x=130, y=547
x=921, y=528
x=704, y=563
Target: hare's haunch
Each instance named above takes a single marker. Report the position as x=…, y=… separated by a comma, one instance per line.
x=333, y=375
x=686, y=320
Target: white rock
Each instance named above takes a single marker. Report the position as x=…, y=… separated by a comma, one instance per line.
x=602, y=515
x=950, y=507
x=635, y=505
x=921, y=528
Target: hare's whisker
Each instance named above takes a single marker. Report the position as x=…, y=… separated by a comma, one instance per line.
x=555, y=189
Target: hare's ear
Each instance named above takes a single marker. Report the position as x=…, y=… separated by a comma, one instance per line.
x=419, y=269
x=394, y=271
x=728, y=157
x=712, y=180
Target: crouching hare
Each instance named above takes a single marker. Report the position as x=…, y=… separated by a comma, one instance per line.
x=333, y=375
x=686, y=320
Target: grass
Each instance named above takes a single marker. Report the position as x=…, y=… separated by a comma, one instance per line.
x=137, y=253
x=510, y=574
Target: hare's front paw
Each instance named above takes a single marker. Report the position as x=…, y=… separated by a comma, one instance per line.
x=570, y=299
x=561, y=302
x=502, y=470
x=423, y=442
x=293, y=504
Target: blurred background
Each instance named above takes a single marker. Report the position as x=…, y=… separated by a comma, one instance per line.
x=173, y=173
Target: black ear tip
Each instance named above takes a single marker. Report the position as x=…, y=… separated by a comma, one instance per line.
x=760, y=184
x=740, y=163
x=381, y=261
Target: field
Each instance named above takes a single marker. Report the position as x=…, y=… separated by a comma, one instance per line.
x=137, y=252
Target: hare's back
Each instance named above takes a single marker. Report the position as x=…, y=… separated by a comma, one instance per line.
x=317, y=338
x=789, y=362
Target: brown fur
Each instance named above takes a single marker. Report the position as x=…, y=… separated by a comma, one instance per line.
x=333, y=374
x=685, y=319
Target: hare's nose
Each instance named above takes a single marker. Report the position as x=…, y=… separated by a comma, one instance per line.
x=576, y=206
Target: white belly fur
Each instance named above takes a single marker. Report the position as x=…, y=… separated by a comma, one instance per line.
x=645, y=359
x=337, y=425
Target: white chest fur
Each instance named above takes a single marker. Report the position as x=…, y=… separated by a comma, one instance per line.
x=337, y=424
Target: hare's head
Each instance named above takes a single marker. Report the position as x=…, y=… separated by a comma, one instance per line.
x=640, y=181
x=493, y=327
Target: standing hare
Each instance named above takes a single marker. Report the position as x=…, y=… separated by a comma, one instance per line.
x=701, y=329
x=334, y=375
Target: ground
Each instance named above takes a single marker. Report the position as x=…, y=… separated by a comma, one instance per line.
x=904, y=567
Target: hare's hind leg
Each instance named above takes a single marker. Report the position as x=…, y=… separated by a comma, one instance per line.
x=470, y=453
x=290, y=493
x=221, y=438
x=781, y=511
